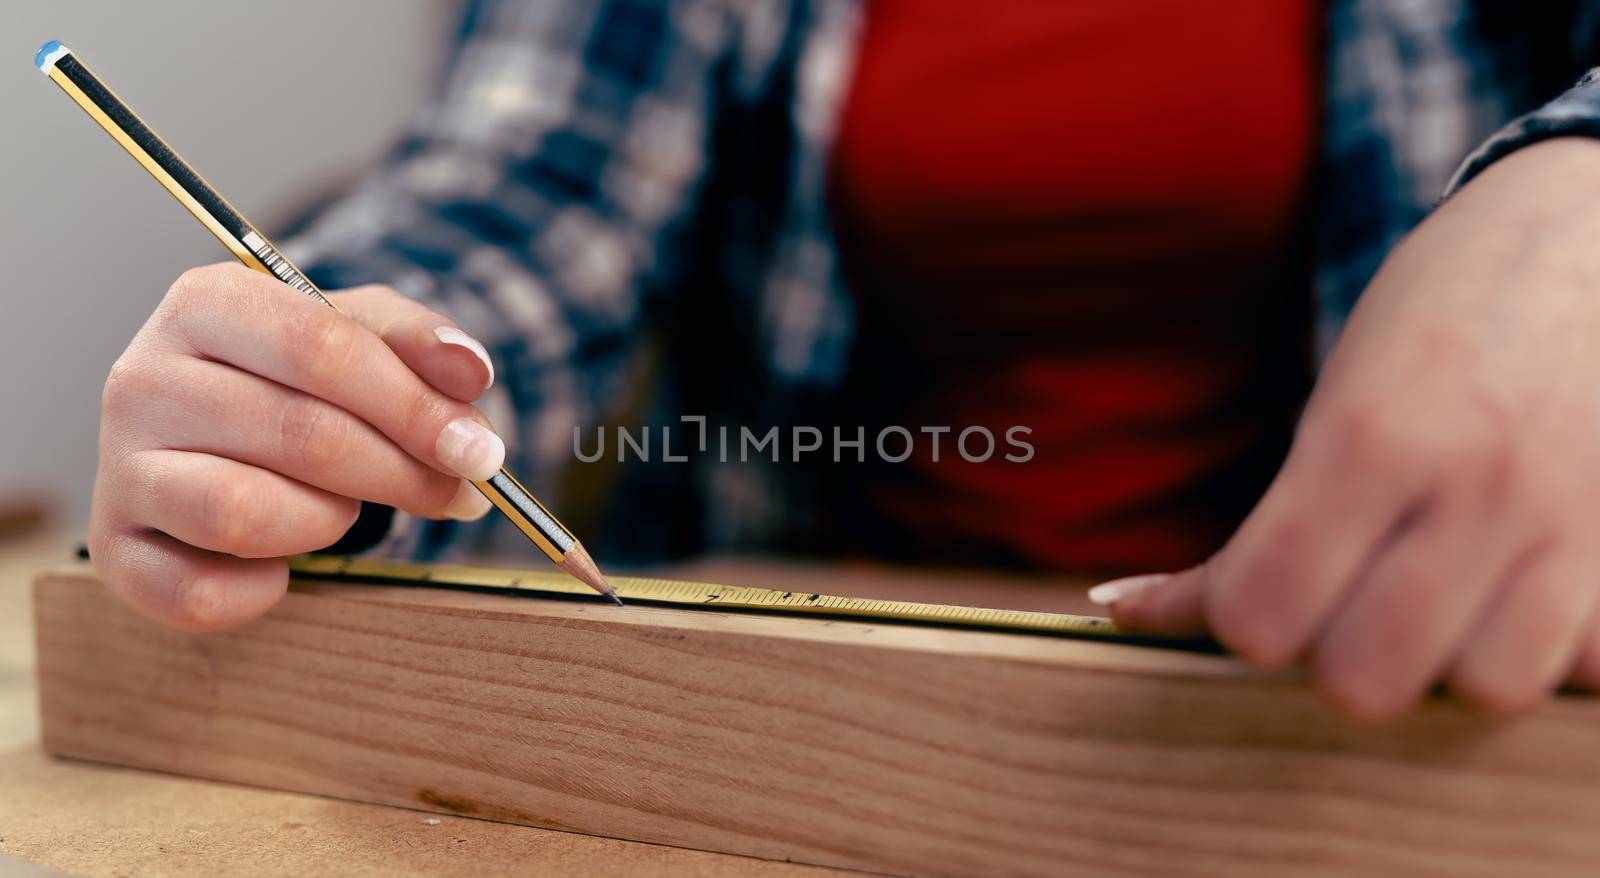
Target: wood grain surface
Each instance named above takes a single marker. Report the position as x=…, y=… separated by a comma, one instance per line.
x=101, y=820
x=878, y=747
x=66, y=816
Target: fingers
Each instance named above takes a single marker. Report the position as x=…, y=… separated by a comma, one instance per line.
x=1388, y=565
x=1160, y=603
x=182, y=586
x=225, y=506
x=249, y=419
x=430, y=344
x=1527, y=639
x=245, y=418
x=1407, y=617
x=1312, y=534
x=233, y=315
x=1586, y=670
x=1264, y=594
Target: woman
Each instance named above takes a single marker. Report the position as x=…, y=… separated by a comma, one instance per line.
x=1099, y=222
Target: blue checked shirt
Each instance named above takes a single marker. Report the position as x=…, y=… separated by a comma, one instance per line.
x=623, y=199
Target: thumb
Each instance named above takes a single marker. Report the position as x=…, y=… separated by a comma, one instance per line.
x=429, y=343
x=1171, y=604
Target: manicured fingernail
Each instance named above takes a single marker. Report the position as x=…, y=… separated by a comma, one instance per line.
x=452, y=335
x=470, y=450
x=1108, y=593
x=468, y=504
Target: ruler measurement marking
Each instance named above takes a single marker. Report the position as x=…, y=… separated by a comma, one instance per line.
x=692, y=594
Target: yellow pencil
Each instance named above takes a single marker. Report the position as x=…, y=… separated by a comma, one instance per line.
x=254, y=250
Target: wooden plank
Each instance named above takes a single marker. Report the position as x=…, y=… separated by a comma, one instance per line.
x=95, y=820
x=877, y=747
x=76, y=816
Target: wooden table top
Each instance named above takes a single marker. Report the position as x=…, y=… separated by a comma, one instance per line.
x=91, y=819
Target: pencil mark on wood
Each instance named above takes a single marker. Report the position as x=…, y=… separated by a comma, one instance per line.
x=448, y=803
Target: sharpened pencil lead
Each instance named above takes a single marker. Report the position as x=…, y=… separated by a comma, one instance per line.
x=582, y=568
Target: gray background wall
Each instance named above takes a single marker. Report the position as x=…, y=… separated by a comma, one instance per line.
x=88, y=242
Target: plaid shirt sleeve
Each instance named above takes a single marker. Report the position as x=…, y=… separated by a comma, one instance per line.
x=1575, y=113
x=1413, y=87
x=532, y=201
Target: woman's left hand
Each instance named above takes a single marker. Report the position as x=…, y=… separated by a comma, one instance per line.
x=1438, y=517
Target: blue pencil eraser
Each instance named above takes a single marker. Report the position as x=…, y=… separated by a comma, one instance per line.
x=49, y=54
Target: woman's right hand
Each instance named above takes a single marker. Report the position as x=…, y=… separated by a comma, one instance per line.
x=246, y=421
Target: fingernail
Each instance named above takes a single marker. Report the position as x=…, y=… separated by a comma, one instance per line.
x=452, y=335
x=470, y=450
x=1108, y=593
x=468, y=504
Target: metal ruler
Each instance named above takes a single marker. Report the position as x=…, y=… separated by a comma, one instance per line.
x=667, y=592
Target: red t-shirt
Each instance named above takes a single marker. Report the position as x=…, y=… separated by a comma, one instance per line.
x=1084, y=218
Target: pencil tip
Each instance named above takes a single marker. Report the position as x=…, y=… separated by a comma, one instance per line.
x=581, y=567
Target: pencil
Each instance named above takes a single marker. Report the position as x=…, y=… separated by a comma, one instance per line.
x=255, y=251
